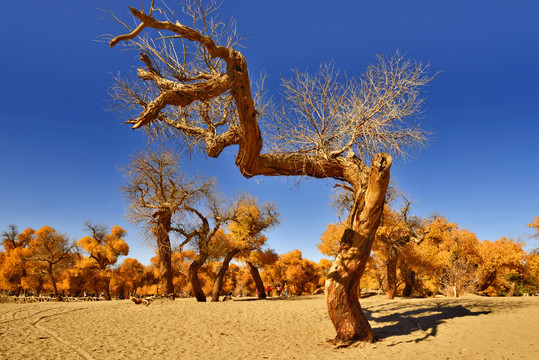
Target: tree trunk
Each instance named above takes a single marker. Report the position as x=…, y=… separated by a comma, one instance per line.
x=391, y=267
x=53, y=281
x=218, y=285
x=39, y=285
x=164, y=250
x=193, y=278
x=486, y=279
x=257, y=279
x=107, y=288
x=409, y=280
x=344, y=276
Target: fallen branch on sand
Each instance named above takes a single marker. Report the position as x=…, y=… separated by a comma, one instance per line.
x=148, y=300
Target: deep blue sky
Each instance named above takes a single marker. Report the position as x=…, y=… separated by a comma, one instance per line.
x=60, y=149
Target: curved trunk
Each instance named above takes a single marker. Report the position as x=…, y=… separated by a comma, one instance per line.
x=257, y=279
x=343, y=279
x=218, y=285
x=193, y=278
x=391, y=267
x=164, y=249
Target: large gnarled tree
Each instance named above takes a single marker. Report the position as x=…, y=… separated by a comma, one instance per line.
x=195, y=83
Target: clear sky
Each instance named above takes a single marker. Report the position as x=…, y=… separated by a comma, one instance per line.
x=60, y=149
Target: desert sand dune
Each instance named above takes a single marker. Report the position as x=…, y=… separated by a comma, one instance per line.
x=296, y=328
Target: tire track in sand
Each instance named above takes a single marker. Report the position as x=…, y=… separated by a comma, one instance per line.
x=78, y=350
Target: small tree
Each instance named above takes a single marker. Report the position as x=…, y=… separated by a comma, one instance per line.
x=53, y=250
x=396, y=230
x=127, y=278
x=14, y=267
x=300, y=274
x=245, y=234
x=498, y=259
x=104, y=249
x=327, y=127
x=201, y=231
x=256, y=260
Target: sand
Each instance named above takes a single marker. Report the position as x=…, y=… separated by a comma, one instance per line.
x=297, y=328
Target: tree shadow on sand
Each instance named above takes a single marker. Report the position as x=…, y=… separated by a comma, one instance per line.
x=421, y=318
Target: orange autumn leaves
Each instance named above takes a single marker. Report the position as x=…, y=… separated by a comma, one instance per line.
x=91, y=267
x=449, y=259
x=46, y=261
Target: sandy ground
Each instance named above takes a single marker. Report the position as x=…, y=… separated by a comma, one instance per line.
x=296, y=328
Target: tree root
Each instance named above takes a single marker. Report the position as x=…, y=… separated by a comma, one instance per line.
x=339, y=344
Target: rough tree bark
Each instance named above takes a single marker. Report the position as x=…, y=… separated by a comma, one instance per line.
x=257, y=279
x=161, y=231
x=218, y=285
x=344, y=276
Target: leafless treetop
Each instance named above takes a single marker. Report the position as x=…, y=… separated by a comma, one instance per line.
x=195, y=84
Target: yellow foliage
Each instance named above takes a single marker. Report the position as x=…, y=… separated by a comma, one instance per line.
x=531, y=268
x=330, y=239
x=501, y=253
x=301, y=275
x=105, y=250
x=534, y=224
x=249, y=222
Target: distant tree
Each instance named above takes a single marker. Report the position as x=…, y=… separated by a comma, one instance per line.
x=535, y=225
x=330, y=239
x=84, y=275
x=127, y=277
x=14, y=266
x=531, y=269
x=245, y=234
x=180, y=268
x=322, y=269
x=256, y=260
x=396, y=230
x=327, y=126
x=201, y=232
x=159, y=195
x=498, y=259
x=53, y=250
x=448, y=258
x=301, y=275
x=104, y=249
